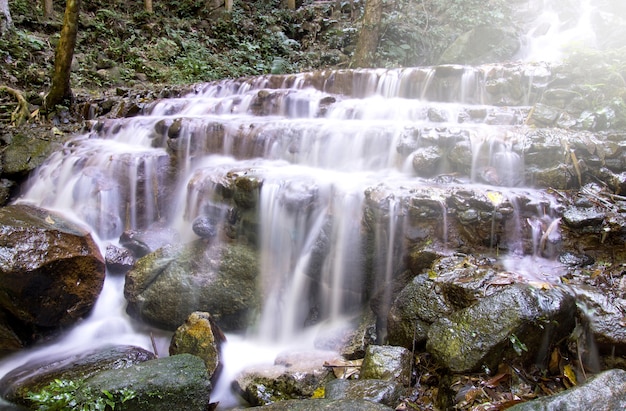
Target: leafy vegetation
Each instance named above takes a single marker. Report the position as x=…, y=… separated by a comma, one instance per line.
x=416, y=32
x=194, y=40
x=600, y=78
x=74, y=395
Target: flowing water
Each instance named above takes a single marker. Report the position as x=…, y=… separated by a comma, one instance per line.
x=319, y=142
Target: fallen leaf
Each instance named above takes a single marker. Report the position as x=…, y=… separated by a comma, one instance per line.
x=569, y=374
x=344, y=368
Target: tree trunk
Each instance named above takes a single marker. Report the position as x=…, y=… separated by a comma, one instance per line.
x=60, y=90
x=367, y=43
x=6, y=22
x=47, y=8
x=291, y=4
x=148, y=4
x=228, y=4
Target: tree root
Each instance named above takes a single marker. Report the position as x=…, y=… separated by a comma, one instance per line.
x=21, y=114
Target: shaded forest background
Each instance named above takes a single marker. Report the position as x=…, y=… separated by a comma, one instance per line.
x=181, y=42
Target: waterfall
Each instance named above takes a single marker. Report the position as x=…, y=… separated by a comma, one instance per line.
x=336, y=151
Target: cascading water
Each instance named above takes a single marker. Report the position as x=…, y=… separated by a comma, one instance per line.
x=320, y=144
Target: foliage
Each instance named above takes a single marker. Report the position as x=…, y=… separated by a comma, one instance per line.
x=600, y=78
x=74, y=395
x=188, y=41
x=416, y=32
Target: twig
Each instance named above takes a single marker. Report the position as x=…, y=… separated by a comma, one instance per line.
x=154, y=347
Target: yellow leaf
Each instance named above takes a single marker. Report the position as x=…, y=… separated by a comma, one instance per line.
x=495, y=197
x=320, y=392
x=49, y=220
x=568, y=372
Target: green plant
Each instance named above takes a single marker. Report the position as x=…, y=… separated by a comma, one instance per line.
x=518, y=346
x=75, y=395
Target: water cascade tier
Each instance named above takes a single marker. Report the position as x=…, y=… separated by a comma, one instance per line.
x=282, y=202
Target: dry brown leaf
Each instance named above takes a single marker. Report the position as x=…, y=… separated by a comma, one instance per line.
x=344, y=368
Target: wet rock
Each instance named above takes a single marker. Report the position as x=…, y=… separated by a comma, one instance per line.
x=9, y=341
x=51, y=272
x=544, y=148
x=201, y=337
x=293, y=376
x=603, y=316
x=560, y=177
x=178, y=382
x=519, y=322
x=575, y=259
x=577, y=217
x=359, y=339
x=247, y=189
x=174, y=130
x=35, y=375
x=323, y=404
x=426, y=160
x=545, y=115
x=461, y=156
x=143, y=242
x=24, y=154
x=166, y=286
x=417, y=306
x=462, y=280
x=205, y=227
x=378, y=391
x=118, y=259
x=6, y=187
x=604, y=392
x=386, y=362
x=8, y=406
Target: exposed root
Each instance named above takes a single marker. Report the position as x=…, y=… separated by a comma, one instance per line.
x=21, y=114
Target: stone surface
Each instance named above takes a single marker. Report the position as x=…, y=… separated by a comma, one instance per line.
x=379, y=391
x=51, y=272
x=602, y=315
x=200, y=336
x=417, y=306
x=292, y=376
x=518, y=322
x=35, y=375
x=385, y=362
x=119, y=260
x=322, y=404
x=178, y=382
x=604, y=392
x=166, y=286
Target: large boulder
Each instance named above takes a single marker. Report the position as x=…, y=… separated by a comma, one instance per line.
x=51, y=273
x=292, y=376
x=518, y=322
x=417, y=306
x=179, y=382
x=166, y=286
x=35, y=375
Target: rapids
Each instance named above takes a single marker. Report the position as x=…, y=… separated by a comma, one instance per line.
x=318, y=142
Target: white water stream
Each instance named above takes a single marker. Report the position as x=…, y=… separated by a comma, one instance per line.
x=316, y=164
